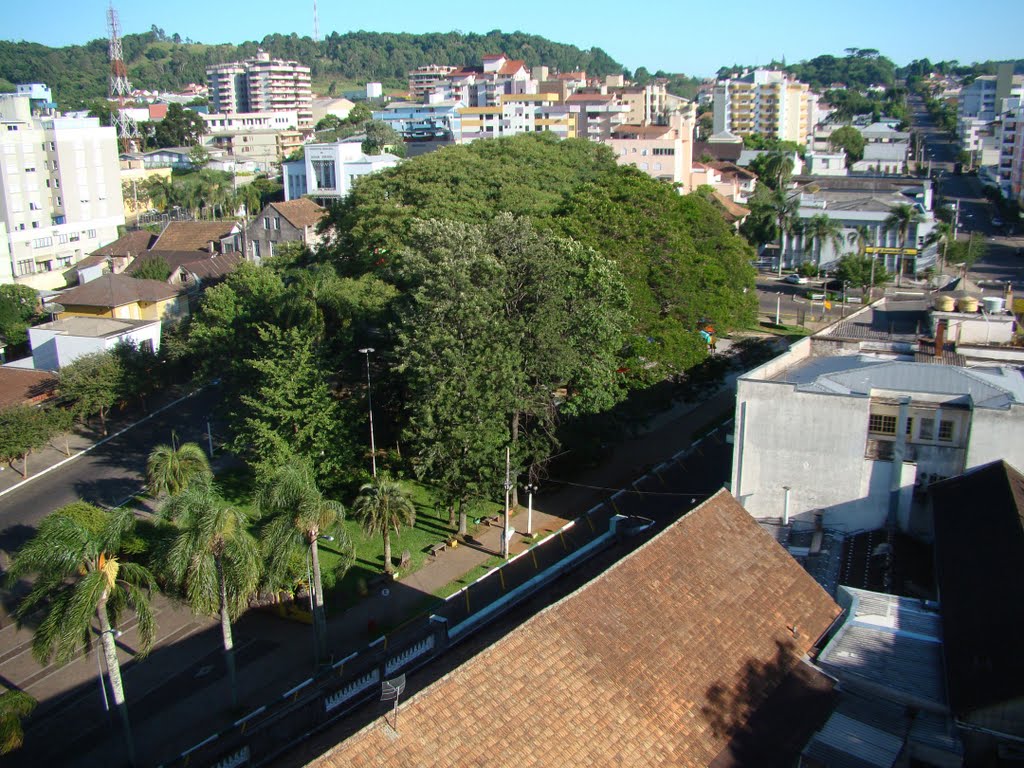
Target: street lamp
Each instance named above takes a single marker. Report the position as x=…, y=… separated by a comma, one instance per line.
x=369, y=398
x=319, y=617
x=530, y=488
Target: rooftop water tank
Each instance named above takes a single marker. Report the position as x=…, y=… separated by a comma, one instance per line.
x=993, y=304
x=944, y=303
x=967, y=304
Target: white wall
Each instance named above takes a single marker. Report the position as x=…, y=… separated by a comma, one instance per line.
x=52, y=350
x=997, y=434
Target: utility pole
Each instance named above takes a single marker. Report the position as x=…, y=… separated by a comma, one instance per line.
x=508, y=491
x=369, y=399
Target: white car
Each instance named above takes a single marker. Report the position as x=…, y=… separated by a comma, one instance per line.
x=795, y=279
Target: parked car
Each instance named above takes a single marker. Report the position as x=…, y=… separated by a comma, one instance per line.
x=795, y=279
x=996, y=221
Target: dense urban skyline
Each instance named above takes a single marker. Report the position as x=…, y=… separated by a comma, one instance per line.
x=707, y=39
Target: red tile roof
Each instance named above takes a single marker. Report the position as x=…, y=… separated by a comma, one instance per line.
x=657, y=661
x=130, y=244
x=23, y=386
x=511, y=67
x=116, y=291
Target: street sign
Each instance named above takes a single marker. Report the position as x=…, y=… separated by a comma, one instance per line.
x=891, y=251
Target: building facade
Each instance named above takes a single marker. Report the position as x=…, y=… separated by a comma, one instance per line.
x=767, y=103
x=262, y=84
x=662, y=151
x=60, y=193
x=327, y=172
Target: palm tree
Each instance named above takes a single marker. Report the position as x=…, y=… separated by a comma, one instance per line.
x=213, y=558
x=384, y=505
x=784, y=210
x=901, y=219
x=821, y=228
x=79, y=578
x=860, y=237
x=170, y=468
x=941, y=235
x=15, y=706
x=298, y=515
x=778, y=167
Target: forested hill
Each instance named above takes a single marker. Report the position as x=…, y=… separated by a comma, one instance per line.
x=79, y=73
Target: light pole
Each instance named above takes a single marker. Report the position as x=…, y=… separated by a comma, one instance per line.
x=319, y=617
x=508, y=490
x=778, y=309
x=369, y=399
x=530, y=488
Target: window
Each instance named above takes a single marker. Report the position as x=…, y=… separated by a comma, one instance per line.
x=882, y=425
x=910, y=427
x=30, y=170
x=63, y=261
x=946, y=431
x=926, y=430
x=664, y=150
x=42, y=242
x=266, y=222
x=277, y=222
x=256, y=249
x=324, y=173
x=26, y=267
x=62, y=239
x=35, y=225
x=91, y=233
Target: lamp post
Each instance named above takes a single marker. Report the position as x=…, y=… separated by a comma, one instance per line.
x=508, y=490
x=369, y=399
x=319, y=617
x=530, y=488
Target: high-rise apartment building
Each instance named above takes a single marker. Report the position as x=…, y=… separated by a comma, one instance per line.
x=765, y=102
x=261, y=84
x=60, y=192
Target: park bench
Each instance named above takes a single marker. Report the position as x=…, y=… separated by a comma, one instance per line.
x=441, y=546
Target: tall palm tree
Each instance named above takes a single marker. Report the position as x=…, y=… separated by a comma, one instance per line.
x=213, y=558
x=903, y=216
x=860, y=237
x=298, y=515
x=170, y=468
x=383, y=505
x=778, y=167
x=79, y=578
x=784, y=210
x=820, y=228
x=14, y=707
x=940, y=236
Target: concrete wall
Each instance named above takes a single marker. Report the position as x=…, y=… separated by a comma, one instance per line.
x=997, y=434
x=51, y=350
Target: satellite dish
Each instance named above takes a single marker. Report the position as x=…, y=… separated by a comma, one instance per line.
x=54, y=308
x=390, y=690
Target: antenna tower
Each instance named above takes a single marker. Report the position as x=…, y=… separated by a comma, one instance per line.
x=316, y=24
x=120, y=86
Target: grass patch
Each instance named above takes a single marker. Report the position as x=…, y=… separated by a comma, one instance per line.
x=431, y=526
x=468, y=578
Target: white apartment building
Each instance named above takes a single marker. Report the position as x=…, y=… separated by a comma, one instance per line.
x=262, y=84
x=1011, y=156
x=247, y=122
x=765, y=102
x=518, y=113
x=60, y=193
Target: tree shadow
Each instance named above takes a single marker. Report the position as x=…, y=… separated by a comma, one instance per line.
x=769, y=710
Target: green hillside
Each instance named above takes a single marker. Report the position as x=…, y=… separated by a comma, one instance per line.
x=79, y=73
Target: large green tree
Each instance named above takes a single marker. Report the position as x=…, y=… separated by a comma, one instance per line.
x=91, y=385
x=19, y=309
x=23, y=429
x=901, y=219
x=850, y=140
x=81, y=578
x=213, y=559
x=384, y=506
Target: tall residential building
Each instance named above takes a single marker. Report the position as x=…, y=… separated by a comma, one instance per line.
x=662, y=151
x=60, y=193
x=261, y=84
x=423, y=80
x=765, y=102
x=518, y=113
x=1011, y=156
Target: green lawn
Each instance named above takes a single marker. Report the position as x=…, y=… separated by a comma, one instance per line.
x=430, y=528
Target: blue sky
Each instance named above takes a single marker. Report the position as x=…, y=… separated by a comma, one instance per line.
x=691, y=36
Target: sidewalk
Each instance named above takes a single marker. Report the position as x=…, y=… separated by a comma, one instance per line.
x=177, y=698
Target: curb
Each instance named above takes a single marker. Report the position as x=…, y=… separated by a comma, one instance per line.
x=106, y=439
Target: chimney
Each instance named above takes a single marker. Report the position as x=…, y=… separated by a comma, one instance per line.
x=940, y=337
x=211, y=246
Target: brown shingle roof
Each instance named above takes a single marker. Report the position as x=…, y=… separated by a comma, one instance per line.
x=641, y=131
x=130, y=244
x=116, y=291
x=654, y=662
x=733, y=210
x=191, y=235
x=22, y=386
x=725, y=167
x=300, y=213
x=207, y=266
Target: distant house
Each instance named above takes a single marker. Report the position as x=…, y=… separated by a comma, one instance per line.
x=190, y=270
x=205, y=236
x=689, y=651
x=114, y=257
x=20, y=386
x=123, y=297
x=294, y=221
x=979, y=545
x=61, y=342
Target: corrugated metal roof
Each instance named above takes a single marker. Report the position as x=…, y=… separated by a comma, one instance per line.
x=848, y=743
x=891, y=642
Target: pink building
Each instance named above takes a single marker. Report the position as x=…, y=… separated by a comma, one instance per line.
x=662, y=151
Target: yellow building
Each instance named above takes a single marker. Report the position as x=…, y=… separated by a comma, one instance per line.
x=767, y=103
x=518, y=113
x=124, y=298
x=133, y=176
